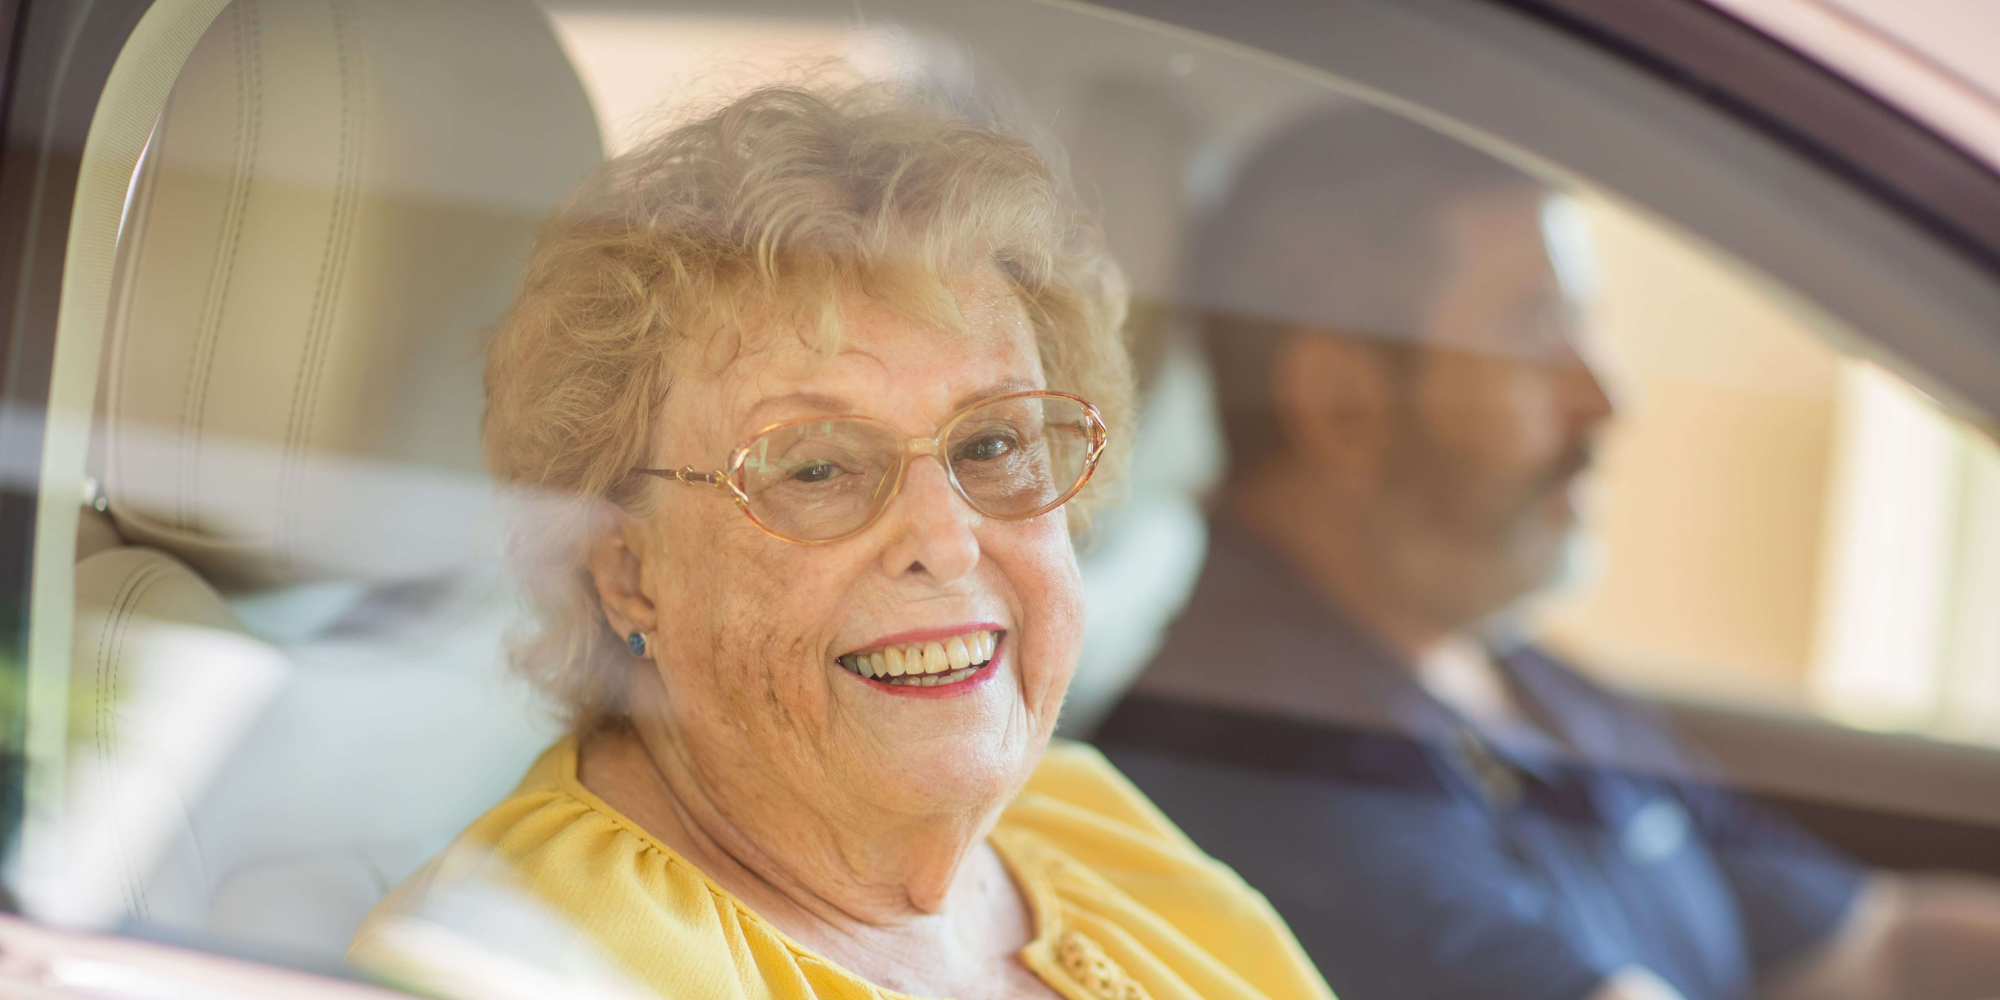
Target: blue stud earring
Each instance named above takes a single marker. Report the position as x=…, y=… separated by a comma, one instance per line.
x=637, y=643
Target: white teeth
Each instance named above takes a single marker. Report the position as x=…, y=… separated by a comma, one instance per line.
x=926, y=664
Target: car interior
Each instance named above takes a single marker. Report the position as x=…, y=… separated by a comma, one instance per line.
x=272, y=486
x=283, y=584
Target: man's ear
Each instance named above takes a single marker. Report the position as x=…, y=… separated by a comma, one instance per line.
x=617, y=565
x=1332, y=400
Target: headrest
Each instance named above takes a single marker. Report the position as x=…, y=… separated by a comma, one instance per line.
x=333, y=208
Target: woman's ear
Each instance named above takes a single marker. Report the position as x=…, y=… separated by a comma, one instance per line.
x=617, y=564
x=1332, y=400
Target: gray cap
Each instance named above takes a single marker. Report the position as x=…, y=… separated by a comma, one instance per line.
x=1332, y=224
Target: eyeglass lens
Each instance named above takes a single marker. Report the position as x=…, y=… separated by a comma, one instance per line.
x=1012, y=458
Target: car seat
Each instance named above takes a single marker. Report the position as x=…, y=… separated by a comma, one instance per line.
x=287, y=678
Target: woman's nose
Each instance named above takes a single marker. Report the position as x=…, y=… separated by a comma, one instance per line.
x=934, y=527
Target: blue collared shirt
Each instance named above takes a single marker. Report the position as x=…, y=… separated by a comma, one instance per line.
x=1418, y=856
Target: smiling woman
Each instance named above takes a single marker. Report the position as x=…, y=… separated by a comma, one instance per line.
x=810, y=705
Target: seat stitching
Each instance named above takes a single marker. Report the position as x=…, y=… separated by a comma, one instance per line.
x=349, y=55
x=135, y=896
x=249, y=118
x=120, y=614
x=110, y=646
x=160, y=573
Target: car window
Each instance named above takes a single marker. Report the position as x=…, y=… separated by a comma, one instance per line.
x=1483, y=471
x=1815, y=541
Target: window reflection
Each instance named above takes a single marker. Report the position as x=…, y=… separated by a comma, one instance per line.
x=1439, y=464
x=1819, y=529
x=1355, y=709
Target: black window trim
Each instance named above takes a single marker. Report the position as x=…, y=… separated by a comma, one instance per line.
x=1792, y=97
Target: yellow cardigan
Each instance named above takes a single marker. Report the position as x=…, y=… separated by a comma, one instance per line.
x=1125, y=906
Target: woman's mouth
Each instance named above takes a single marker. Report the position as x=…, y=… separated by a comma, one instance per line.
x=932, y=663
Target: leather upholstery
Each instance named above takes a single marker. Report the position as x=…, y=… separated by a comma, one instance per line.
x=166, y=683
x=288, y=649
x=336, y=200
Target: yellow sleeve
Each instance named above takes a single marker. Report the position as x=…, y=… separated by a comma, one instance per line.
x=1081, y=805
x=553, y=887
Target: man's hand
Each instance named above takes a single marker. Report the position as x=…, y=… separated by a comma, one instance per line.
x=1926, y=937
x=1636, y=982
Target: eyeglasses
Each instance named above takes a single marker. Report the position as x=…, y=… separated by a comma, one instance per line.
x=824, y=479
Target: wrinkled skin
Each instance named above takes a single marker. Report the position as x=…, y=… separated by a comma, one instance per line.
x=853, y=819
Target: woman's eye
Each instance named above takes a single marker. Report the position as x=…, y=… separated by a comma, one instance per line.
x=815, y=472
x=985, y=449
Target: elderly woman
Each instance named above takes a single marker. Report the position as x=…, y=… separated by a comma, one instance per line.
x=815, y=391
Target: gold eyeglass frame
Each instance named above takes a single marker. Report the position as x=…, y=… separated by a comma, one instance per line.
x=730, y=476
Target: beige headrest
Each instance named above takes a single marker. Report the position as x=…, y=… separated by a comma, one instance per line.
x=333, y=209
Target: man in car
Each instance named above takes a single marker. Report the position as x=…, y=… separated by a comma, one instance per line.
x=1437, y=809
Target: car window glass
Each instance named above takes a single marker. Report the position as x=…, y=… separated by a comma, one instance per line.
x=289, y=686
x=1817, y=540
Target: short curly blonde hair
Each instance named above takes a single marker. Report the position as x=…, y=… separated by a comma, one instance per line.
x=766, y=211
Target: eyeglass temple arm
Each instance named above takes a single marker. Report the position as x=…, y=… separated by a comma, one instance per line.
x=686, y=476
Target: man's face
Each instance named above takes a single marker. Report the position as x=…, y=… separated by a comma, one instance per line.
x=1481, y=483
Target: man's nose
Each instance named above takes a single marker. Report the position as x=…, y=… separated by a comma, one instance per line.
x=1594, y=403
x=933, y=525
x=1589, y=400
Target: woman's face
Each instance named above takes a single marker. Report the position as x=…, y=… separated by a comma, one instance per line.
x=749, y=630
